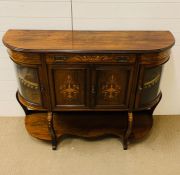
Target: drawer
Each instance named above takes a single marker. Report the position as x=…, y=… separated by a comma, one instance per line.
x=90, y=58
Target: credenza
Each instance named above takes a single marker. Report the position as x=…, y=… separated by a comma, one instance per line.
x=88, y=83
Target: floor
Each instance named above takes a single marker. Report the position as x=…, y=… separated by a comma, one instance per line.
x=159, y=154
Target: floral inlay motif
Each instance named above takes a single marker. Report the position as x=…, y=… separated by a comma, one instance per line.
x=69, y=89
x=111, y=89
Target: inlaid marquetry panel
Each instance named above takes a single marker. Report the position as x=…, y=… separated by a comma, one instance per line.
x=111, y=89
x=68, y=86
x=112, y=86
x=90, y=58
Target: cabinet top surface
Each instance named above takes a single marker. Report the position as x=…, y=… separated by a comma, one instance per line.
x=88, y=41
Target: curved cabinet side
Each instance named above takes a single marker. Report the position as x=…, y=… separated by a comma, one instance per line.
x=29, y=105
x=151, y=68
x=155, y=59
x=28, y=70
x=24, y=58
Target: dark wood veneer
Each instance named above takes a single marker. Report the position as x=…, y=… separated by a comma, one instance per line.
x=88, y=83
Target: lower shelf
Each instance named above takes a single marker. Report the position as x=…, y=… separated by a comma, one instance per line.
x=89, y=124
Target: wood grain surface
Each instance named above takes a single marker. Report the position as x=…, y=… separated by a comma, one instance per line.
x=89, y=124
x=88, y=41
x=85, y=72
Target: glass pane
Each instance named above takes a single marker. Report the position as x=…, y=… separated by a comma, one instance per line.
x=151, y=83
x=28, y=83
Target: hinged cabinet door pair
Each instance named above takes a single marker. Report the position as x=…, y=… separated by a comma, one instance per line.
x=90, y=86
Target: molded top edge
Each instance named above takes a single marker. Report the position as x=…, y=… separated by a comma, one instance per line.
x=41, y=41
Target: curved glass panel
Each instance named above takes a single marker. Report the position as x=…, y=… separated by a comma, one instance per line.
x=151, y=82
x=28, y=83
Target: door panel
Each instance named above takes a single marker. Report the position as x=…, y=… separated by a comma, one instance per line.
x=113, y=86
x=149, y=82
x=69, y=86
x=29, y=83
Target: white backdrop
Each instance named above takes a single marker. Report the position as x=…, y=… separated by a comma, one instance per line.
x=91, y=15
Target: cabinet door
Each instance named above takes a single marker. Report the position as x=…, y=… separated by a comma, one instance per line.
x=29, y=84
x=68, y=86
x=112, y=86
x=148, y=85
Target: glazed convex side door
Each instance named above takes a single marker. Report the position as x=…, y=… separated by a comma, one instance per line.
x=28, y=80
x=112, y=85
x=31, y=84
x=151, y=66
x=148, y=91
x=69, y=86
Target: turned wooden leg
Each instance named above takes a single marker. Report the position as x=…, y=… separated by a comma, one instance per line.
x=128, y=130
x=52, y=131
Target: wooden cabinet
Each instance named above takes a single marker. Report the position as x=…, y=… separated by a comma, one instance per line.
x=88, y=83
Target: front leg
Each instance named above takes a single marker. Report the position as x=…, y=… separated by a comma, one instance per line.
x=128, y=130
x=52, y=131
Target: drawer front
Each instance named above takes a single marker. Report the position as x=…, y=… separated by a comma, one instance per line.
x=90, y=58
